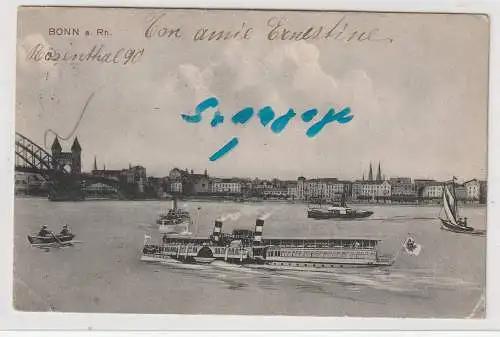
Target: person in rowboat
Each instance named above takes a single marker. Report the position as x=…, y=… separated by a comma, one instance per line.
x=43, y=231
x=65, y=230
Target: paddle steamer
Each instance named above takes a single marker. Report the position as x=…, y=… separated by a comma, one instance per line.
x=250, y=248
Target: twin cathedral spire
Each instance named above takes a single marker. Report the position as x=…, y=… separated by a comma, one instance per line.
x=379, y=177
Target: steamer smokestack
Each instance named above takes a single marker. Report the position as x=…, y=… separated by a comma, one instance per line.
x=217, y=231
x=259, y=227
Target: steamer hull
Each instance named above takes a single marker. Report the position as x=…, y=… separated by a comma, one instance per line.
x=322, y=214
x=276, y=253
x=250, y=248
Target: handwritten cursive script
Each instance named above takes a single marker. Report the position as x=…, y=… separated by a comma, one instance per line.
x=341, y=30
x=278, y=29
x=97, y=54
x=266, y=115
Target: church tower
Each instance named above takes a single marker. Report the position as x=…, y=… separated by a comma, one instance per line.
x=370, y=173
x=379, y=173
x=76, y=157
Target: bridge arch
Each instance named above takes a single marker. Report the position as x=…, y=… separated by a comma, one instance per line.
x=32, y=158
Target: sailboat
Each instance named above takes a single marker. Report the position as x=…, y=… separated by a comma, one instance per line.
x=453, y=222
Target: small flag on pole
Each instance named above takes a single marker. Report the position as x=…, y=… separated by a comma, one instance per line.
x=411, y=247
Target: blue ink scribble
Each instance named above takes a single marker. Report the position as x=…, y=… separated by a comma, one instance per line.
x=308, y=115
x=266, y=114
x=341, y=117
x=211, y=102
x=280, y=123
x=243, y=116
x=217, y=119
x=225, y=149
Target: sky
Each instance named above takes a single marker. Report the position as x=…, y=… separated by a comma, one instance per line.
x=418, y=94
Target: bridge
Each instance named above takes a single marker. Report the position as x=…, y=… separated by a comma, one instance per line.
x=32, y=158
x=62, y=170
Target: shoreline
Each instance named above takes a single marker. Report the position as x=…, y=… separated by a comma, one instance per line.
x=254, y=201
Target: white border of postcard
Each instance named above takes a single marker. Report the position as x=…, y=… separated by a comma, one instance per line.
x=13, y=320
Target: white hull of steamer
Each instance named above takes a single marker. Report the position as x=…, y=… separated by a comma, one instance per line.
x=319, y=267
x=161, y=258
x=158, y=259
x=323, y=266
x=204, y=260
x=181, y=228
x=327, y=264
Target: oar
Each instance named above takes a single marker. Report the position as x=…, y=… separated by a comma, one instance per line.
x=59, y=241
x=55, y=237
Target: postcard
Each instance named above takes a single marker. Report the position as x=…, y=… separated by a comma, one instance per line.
x=251, y=162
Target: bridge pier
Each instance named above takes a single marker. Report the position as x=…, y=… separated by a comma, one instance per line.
x=66, y=188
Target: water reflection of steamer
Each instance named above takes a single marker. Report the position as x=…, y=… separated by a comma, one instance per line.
x=245, y=247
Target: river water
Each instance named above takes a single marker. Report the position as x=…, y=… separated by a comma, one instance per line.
x=103, y=273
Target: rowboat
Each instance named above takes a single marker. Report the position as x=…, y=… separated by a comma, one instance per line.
x=50, y=239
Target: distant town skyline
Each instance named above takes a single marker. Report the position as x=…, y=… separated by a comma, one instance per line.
x=419, y=103
x=164, y=173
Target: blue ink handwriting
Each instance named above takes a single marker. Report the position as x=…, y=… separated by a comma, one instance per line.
x=266, y=115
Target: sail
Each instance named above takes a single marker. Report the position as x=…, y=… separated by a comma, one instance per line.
x=449, y=206
x=452, y=203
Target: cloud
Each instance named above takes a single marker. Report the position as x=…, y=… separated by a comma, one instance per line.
x=47, y=71
x=196, y=79
x=36, y=83
x=310, y=77
x=290, y=75
x=293, y=73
